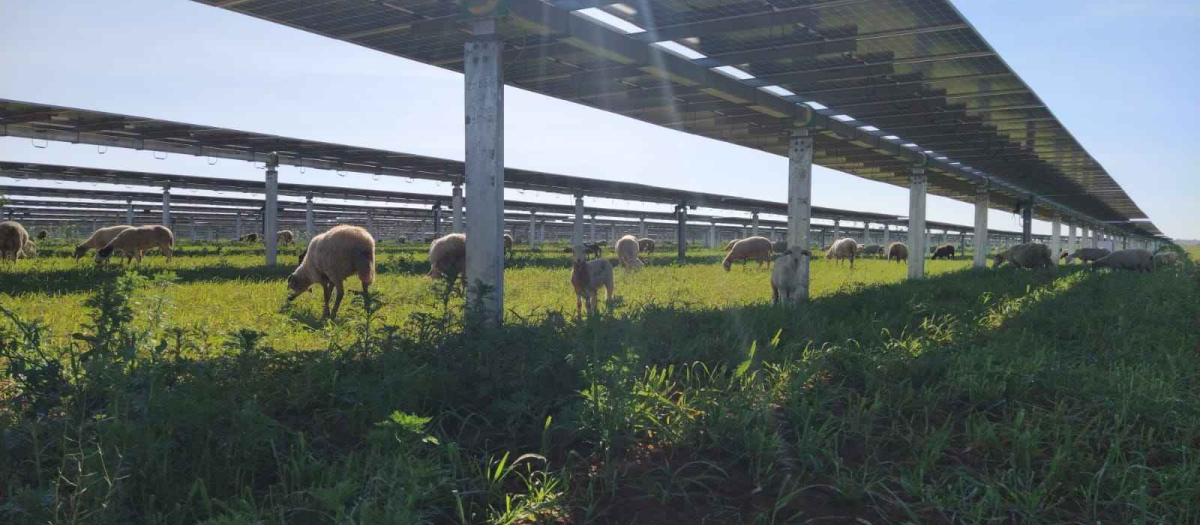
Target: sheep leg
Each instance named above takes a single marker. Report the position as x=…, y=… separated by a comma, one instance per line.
x=337, y=302
x=325, y=288
x=366, y=297
x=774, y=296
x=578, y=304
x=166, y=251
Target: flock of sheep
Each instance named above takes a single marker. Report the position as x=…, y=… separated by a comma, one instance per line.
x=344, y=250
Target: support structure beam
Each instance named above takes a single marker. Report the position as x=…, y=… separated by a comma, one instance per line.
x=310, y=220
x=1056, y=237
x=577, y=227
x=642, y=228
x=237, y=228
x=918, y=184
x=800, y=153
x=483, y=75
x=1027, y=222
x=166, y=207
x=533, y=233
x=129, y=211
x=437, y=221
x=456, y=207
x=592, y=235
x=681, y=230
x=271, y=210
x=754, y=219
x=1071, y=246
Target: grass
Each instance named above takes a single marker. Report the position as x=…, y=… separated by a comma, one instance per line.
x=189, y=394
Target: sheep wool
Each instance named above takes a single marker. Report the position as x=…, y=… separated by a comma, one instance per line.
x=331, y=258
x=627, y=252
x=897, y=251
x=1086, y=255
x=99, y=239
x=1029, y=255
x=843, y=249
x=731, y=244
x=134, y=241
x=785, y=278
x=448, y=254
x=1132, y=260
x=756, y=248
x=12, y=239
x=587, y=276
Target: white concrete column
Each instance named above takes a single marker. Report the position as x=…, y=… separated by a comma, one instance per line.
x=962, y=242
x=456, y=205
x=754, y=219
x=642, y=228
x=887, y=234
x=800, y=153
x=1027, y=222
x=166, y=207
x=837, y=230
x=866, y=238
x=745, y=231
x=310, y=221
x=681, y=230
x=371, y=223
x=483, y=75
x=192, y=230
x=1056, y=236
x=712, y=235
x=237, y=226
x=271, y=209
x=592, y=234
x=533, y=237
x=916, y=223
x=577, y=227
x=129, y=211
x=437, y=221
x=981, y=227
x=1095, y=238
x=944, y=236
x=1071, y=237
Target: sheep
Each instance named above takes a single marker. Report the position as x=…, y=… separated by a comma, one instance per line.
x=627, y=252
x=757, y=248
x=12, y=239
x=897, y=251
x=945, y=251
x=333, y=256
x=99, y=239
x=508, y=243
x=133, y=241
x=730, y=245
x=249, y=237
x=285, y=237
x=448, y=254
x=1086, y=255
x=646, y=245
x=1030, y=255
x=29, y=250
x=594, y=249
x=587, y=276
x=1133, y=260
x=785, y=278
x=872, y=249
x=1164, y=259
x=842, y=249
x=41, y=236
x=779, y=246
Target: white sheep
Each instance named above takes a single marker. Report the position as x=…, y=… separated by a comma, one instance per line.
x=645, y=245
x=508, y=243
x=897, y=251
x=12, y=239
x=843, y=249
x=785, y=278
x=285, y=237
x=1133, y=260
x=99, y=239
x=627, y=252
x=1086, y=255
x=448, y=254
x=1029, y=255
x=332, y=257
x=587, y=276
x=134, y=241
x=757, y=248
x=29, y=250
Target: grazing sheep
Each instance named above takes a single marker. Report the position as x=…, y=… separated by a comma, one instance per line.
x=12, y=239
x=785, y=278
x=587, y=276
x=594, y=249
x=945, y=251
x=1164, y=259
x=335, y=255
x=29, y=250
x=872, y=249
x=730, y=245
x=134, y=241
x=843, y=249
x=646, y=245
x=757, y=248
x=99, y=239
x=1133, y=260
x=627, y=252
x=448, y=254
x=1086, y=255
x=508, y=243
x=779, y=247
x=897, y=251
x=1031, y=255
x=249, y=237
x=285, y=237
x=41, y=236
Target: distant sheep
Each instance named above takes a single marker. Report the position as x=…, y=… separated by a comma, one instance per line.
x=1030, y=255
x=595, y=249
x=1165, y=259
x=332, y=257
x=508, y=243
x=249, y=237
x=99, y=239
x=29, y=250
x=627, y=252
x=872, y=249
x=587, y=276
x=41, y=236
x=448, y=254
x=1132, y=260
x=646, y=245
x=785, y=278
x=12, y=239
x=945, y=251
x=897, y=251
x=779, y=247
x=1086, y=255
x=285, y=237
x=843, y=249
x=133, y=241
x=756, y=248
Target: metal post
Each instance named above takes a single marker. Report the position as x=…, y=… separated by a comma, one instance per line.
x=962, y=242
x=1027, y=222
x=800, y=152
x=681, y=229
x=456, y=208
x=310, y=221
x=271, y=209
x=916, y=222
x=533, y=228
x=641, y=227
x=437, y=220
x=577, y=228
x=192, y=229
x=1056, y=237
x=371, y=222
x=837, y=230
x=237, y=226
x=712, y=235
x=166, y=207
x=754, y=219
x=981, y=227
x=866, y=238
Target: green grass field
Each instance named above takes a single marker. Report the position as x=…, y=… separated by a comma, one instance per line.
x=190, y=393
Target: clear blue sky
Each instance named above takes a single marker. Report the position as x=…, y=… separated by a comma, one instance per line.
x=1118, y=73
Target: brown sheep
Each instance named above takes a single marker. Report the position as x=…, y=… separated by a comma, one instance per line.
x=645, y=245
x=757, y=248
x=730, y=245
x=41, y=236
x=1030, y=255
x=587, y=276
x=1165, y=259
x=29, y=250
x=843, y=249
x=249, y=237
x=897, y=251
x=1086, y=255
x=99, y=239
x=332, y=257
x=1133, y=260
x=872, y=249
x=134, y=241
x=945, y=251
x=285, y=237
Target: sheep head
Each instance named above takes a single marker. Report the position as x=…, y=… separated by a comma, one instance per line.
x=297, y=284
x=104, y=253
x=79, y=251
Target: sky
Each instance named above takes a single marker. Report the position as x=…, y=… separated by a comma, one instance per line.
x=1118, y=73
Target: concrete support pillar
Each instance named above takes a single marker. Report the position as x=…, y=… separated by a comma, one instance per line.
x=237, y=226
x=371, y=223
x=642, y=228
x=533, y=237
x=1095, y=238
x=681, y=229
x=192, y=230
x=916, y=223
x=837, y=230
x=887, y=234
x=166, y=219
x=592, y=232
x=129, y=211
x=1071, y=237
x=754, y=220
x=271, y=210
x=866, y=237
x=310, y=221
x=800, y=153
x=745, y=231
x=577, y=227
x=981, y=227
x=483, y=74
x=1056, y=236
x=456, y=208
x=712, y=235
x=1027, y=222
x=437, y=222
